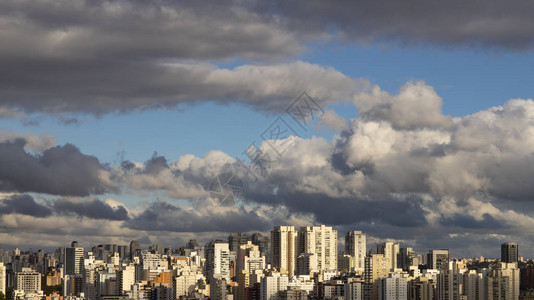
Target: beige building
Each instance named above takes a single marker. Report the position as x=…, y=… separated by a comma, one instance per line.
x=284, y=249
x=321, y=241
x=376, y=267
x=249, y=260
x=28, y=281
x=390, y=251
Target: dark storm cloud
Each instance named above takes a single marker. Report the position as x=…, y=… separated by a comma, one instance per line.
x=102, y=56
x=60, y=170
x=405, y=212
x=91, y=208
x=63, y=56
x=25, y=205
x=162, y=216
x=494, y=23
x=466, y=221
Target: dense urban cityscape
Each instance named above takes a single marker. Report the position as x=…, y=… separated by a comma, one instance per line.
x=291, y=263
x=266, y=150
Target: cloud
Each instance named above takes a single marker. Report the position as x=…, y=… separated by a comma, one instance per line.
x=393, y=175
x=93, y=48
x=175, y=49
x=496, y=23
x=468, y=175
x=187, y=177
x=162, y=216
x=25, y=205
x=103, y=88
x=417, y=105
x=91, y=208
x=331, y=120
x=60, y=170
x=33, y=142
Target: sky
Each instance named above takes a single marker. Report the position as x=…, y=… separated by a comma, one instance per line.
x=410, y=121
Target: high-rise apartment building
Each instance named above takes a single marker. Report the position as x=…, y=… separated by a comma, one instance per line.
x=126, y=278
x=450, y=281
x=376, y=267
x=509, y=252
x=356, y=247
x=217, y=260
x=272, y=284
x=28, y=281
x=321, y=241
x=249, y=260
x=437, y=258
x=135, y=249
x=353, y=289
x=2, y=278
x=390, y=251
x=394, y=287
x=506, y=281
x=74, y=256
x=284, y=249
x=405, y=258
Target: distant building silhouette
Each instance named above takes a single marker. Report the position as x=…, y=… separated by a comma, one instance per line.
x=509, y=252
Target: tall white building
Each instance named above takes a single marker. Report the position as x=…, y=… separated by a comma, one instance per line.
x=450, y=281
x=2, y=278
x=217, y=260
x=356, y=246
x=321, y=241
x=150, y=261
x=353, y=290
x=284, y=249
x=249, y=258
x=126, y=278
x=390, y=251
x=394, y=287
x=506, y=281
x=28, y=281
x=184, y=283
x=272, y=284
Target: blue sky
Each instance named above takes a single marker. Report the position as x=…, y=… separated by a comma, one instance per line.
x=468, y=80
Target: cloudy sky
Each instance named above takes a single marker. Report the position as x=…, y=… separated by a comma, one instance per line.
x=409, y=120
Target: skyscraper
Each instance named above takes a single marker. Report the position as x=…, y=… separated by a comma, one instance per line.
x=405, y=258
x=321, y=241
x=74, y=256
x=135, y=249
x=248, y=261
x=283, y=249
x=437, y=258
x=376, y=267
x=356, y=246
x=2, y=278
x=217, y=260
x=509, y=252
x=392, y=287
x=390, y=251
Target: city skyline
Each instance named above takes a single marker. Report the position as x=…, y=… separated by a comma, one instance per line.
x=290, y=262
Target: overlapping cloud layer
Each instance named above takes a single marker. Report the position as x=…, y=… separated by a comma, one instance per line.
x=114, y=55
x=393, y=175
